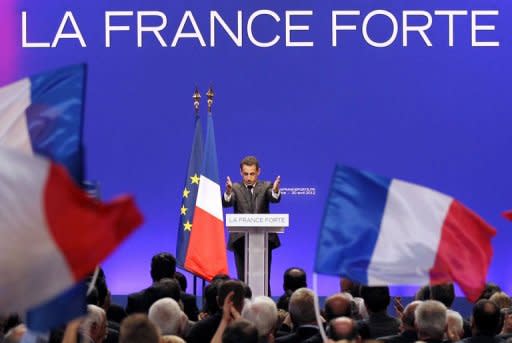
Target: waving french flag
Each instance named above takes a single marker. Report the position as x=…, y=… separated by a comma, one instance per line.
x=43, y=115
x=53, y=234
x=382, y=231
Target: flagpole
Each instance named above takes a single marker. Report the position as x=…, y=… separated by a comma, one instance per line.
x=197, y=97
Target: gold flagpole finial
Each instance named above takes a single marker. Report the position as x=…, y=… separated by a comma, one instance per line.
x=196, y=97
x=210, y=95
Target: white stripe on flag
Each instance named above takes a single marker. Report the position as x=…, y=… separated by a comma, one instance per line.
x=209, y=197
x=31, y=265
x=409, y=236
x=14, y=100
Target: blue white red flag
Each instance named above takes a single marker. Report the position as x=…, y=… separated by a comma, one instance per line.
x=382, y=231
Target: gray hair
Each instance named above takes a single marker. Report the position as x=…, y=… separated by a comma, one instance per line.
x=262, y=312
x=166, y=314
x=95, y=315
x=430, y=319
x=454, y=321
x=301, y=307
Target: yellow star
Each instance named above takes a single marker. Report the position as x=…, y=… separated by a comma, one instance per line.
x=194, y=179
x=183, y=210
x=187, y=226
x=185, y=192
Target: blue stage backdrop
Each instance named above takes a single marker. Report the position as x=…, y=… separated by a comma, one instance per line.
x=436, y=115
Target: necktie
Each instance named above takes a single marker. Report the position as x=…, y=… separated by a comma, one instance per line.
x=250, y=188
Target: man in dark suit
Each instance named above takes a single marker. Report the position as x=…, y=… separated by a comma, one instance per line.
x=163, y=268
x=250, y=196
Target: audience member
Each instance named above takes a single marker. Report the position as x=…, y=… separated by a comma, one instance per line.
x=379, y=323
x=262, y=312
x=506, y=331
x=240, y=331
x=293, y=279
x=205, y=329
x=454, y=326
x=189, y=300
x=137, y=328
x=302, y=315
x=343, y=328
x=166, y=314
x=430, y=321
x=94, y=327
x=485, y=320
x=338, y=305
x=354, y=289
x=407, y=327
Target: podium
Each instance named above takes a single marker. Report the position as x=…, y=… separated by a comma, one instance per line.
x=256, y=228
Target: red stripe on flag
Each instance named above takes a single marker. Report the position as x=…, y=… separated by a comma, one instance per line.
x=85, y=230
x=464, y=251
x=206, y=254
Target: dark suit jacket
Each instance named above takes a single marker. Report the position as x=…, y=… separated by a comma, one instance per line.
x=189, y=306
x=380, y=325
x=241, y=203
x=140, y=302
x=301, y=334
x=482, y=339
x=409, y=336
x=204, y=330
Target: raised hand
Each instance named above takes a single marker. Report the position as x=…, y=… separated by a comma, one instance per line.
x=229, y=185
x=277, y=182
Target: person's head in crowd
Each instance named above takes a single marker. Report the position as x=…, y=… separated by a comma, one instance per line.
x=137, y=328
x=240, y=331
x=301, y=308
x=338, y=305
x=489, y=290
x=220, y=278
x=100, y=284
x=408, y=321
x=430, y=320
x=444, y=293
x=343, y=328
x=376, y=299
x=171, y=339
x=182, y=280
x=165, y=288
x=15, y=334
x=454, y=326
x=501, y=299
x=262, y=312
x=210, y=305
x=235, y=286
x=247, y=291
x=10, y=321
x=116, y=313
x=167, y=315
x=507, y=321
x=293, y=279
x=423, y=293
x=486, y=318
x=163, y=265
x=95, y=324
x=351, y=287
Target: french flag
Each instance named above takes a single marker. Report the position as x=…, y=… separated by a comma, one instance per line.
x=206, y=253
x=382, y=231
x=43, y=114
x=53, y=233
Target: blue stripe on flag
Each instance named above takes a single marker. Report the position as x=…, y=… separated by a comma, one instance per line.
x=59, y=310
x=209, y=168
x=54, y=117
x=351, y=223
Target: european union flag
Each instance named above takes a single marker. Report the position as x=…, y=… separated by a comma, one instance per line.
x=189, y=194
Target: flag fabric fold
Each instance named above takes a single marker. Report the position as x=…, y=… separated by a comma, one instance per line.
x=206, y=253
x=43, y=115
x=53, y=233
x=508, y=214
x=382, y=231
x=189, y=195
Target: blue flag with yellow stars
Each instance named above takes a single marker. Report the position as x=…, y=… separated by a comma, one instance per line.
x=189, y=194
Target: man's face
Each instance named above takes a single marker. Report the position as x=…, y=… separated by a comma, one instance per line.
x=249, y=174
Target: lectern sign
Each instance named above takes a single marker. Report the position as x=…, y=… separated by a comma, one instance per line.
x=257, y=220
